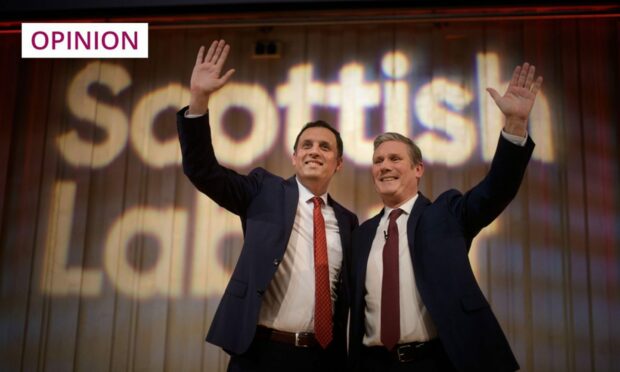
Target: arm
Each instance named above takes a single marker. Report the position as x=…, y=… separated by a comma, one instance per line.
x=224, y=186
x=483, y=203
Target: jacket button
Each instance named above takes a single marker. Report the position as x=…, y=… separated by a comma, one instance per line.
x=260, y=292
x=276, y=262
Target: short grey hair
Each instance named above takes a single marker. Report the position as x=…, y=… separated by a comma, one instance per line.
x=414, y=151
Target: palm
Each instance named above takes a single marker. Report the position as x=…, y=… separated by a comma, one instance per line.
x=518, y=100
x=206, y=75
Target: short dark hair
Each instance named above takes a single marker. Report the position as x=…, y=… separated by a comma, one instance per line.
x=414, y=151
x=321, y=124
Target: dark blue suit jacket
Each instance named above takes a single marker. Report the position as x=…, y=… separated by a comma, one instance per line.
x=266, y=205
x=440, y=235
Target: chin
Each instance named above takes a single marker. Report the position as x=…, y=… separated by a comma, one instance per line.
x=387, y=190
x=312, y=174
x=385, y=195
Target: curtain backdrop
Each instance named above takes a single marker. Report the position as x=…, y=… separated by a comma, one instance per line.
x=111, y=260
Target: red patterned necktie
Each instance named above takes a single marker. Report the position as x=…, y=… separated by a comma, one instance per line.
x=390, y=304
x=322, y=294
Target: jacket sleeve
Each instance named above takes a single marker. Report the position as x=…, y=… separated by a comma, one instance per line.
x=479, y=206
x=226, y=187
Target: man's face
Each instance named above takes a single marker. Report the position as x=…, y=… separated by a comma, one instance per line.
x=316, y=157
x=394, y=174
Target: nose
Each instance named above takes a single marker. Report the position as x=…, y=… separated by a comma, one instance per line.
x=387, y=169
x=381, y=167
x=314, y=150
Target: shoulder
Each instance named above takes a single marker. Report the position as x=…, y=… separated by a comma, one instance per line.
x=268, y=176
x=447, y=197
x=334, y=204
x=442, y=206
x=272, y=181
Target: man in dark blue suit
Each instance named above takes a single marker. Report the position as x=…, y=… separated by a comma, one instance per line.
x=415, y=303
x=285, y=306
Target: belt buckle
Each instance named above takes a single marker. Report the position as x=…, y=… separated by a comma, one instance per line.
x=298, y=337
x=401, y=353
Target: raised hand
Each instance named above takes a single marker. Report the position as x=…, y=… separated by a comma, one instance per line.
x=207, y=75
x=518, y=100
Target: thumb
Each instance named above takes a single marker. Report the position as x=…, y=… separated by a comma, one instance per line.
x=227, y=75
x=494, y=94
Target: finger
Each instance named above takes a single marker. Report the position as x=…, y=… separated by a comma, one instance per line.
x=227, y=75
x=530, y=77
x=223, y=56
x=523, y=74
x=494, y=94
x=515, y=75
x=200, y=55
x=218, y=51
x=211, y=51
x=537, y=84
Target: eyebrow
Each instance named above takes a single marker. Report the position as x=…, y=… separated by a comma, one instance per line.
x=321, y=142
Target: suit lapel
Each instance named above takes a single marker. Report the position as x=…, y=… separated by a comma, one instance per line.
x=343, y=224
x=291, y=198
x=420, y=204
x=364, y=243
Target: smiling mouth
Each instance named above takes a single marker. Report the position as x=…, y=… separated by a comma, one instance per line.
x=388, y=179
x=313, y=162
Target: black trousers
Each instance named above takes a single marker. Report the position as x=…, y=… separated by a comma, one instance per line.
x=271, y=356
x=379, y=359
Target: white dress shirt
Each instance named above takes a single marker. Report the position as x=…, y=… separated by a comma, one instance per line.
x=288, y=303
x=415, y=322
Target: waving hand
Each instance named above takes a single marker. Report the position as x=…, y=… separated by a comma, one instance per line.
x=207, y=75
x=518, y=100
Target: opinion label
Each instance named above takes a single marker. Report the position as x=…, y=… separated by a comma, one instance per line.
x=85, y=40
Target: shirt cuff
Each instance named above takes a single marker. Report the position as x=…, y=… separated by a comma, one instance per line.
x=192, y=116
x=517, y=140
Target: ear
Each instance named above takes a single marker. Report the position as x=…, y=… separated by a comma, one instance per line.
x=419, y=170
x=294, y=159
x=339, y=164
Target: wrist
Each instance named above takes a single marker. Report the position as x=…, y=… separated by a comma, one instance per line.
x=198, y=104
x=516, y=126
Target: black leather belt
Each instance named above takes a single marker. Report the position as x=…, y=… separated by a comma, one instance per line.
x=408, y=352
x=298, y=339
x=415, y=350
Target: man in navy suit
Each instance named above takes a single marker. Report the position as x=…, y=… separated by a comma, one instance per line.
x=415, y=303
x=275, y=314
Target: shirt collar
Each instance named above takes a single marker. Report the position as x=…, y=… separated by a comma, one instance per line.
x=406, y=207
x=306, y=195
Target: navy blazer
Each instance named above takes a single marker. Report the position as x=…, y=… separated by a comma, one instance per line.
x=440, y=235
x=266, y=205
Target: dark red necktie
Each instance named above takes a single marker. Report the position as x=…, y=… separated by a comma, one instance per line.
x=322, y=294
x=390, y=304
